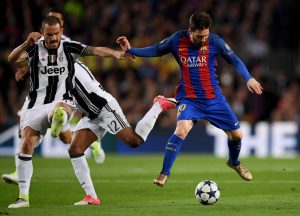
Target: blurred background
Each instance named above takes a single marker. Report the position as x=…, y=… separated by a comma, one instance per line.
x=264, y=34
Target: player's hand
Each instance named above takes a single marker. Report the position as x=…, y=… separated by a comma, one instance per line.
x=121, y=55
x=32, y=38
x=20, y=73
x=124, y=43
x=254, y=86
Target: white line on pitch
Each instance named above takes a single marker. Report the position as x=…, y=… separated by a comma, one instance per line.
x=105, y=181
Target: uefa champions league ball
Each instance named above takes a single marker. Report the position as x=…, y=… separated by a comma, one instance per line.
x=207, y=192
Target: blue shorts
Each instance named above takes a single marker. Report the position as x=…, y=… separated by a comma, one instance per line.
x=216, y=111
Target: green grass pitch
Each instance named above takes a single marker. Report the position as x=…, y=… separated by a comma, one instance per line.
x=124, y=184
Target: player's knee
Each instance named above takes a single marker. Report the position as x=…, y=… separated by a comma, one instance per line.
x=65, y=139
x=237, y=135
x=130, y=138
x=75, y=150
x=133, y=141
x=183, y=128
x=181, y=132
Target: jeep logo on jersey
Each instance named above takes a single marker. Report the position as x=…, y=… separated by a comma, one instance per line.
x=52, y=70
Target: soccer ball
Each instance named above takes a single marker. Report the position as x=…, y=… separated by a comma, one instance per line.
x=207, y=192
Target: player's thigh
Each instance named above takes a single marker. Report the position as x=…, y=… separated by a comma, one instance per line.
x=81, y=140
x=220, y=114
x=129, y=137
x=189, y=109
x=92, y=125
x=36, y=118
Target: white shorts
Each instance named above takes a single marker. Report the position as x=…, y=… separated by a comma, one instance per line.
x=24, y=107
x=111, y=119
x=37, y=117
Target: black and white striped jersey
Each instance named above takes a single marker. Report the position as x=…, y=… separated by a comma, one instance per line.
x=52, y=71
x=88, y=92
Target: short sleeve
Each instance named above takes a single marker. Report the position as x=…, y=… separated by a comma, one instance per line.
x=75, y=47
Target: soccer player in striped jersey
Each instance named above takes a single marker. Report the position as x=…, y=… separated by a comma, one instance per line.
x=198, y=93
x=51, y=80
x=102, y=114
x=97, y=150
x=66, y=134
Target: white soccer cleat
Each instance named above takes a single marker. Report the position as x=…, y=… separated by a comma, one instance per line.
x=10, y=178
x=20, y=203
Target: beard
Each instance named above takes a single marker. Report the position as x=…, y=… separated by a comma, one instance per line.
x=53, y=41
x=199, y=43
x=53, y=44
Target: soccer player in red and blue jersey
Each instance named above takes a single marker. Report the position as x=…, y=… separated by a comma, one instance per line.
x=198, y=94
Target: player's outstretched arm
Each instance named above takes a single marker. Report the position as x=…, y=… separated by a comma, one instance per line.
x=150, y=51
x=32, y=38
x=105, y=52
x=254, y=86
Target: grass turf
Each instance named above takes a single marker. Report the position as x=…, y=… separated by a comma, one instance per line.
x=124, y=184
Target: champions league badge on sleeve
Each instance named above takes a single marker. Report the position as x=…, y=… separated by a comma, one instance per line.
x=228, y=49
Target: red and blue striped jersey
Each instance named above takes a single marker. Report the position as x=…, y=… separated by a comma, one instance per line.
x=198, y=65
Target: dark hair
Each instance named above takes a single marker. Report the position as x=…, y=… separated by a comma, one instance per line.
x=200, y=21
x=50, y=20
x=56, y=10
